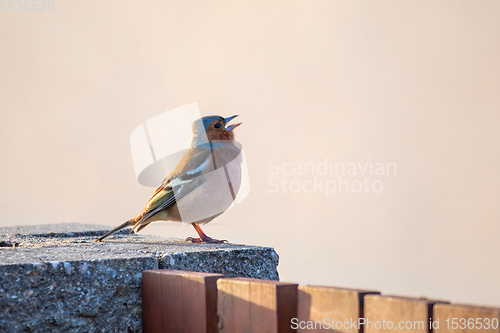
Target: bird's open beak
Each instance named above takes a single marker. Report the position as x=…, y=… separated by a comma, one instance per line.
x=232, y=127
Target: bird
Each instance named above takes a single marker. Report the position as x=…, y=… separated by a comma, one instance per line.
x=203, y=184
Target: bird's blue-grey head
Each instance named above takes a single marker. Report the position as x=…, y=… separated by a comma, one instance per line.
x=210, y=128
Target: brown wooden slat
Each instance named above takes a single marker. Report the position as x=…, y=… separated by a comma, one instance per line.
x=394, y=310
x=151, y=302
x=179, y=301
x=172, y=302
x=211, y=301
x=287, y=307
x=191, y=290
x=225, y=306
x=256, y=306
x=262, y=298
x=339, y=306
x=474, y=316
x=240, y=306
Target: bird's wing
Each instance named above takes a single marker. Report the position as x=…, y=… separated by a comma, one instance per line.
x=185, y=177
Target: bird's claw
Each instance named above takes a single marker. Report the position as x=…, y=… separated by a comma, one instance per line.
x=206, y=240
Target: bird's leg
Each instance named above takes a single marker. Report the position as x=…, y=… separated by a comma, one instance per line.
x=203, y=237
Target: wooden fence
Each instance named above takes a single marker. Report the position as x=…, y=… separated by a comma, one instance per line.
x=184, y=302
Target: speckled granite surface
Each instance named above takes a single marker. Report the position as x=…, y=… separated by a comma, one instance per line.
x=56, y=278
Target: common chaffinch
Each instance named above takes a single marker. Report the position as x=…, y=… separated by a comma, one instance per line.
x=202, y=185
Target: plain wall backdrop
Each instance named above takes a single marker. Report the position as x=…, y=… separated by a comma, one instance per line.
x=413, y=84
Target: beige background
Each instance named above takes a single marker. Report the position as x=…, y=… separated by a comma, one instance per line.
x=415, y=83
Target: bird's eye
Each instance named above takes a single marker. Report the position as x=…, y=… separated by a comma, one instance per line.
x=217, y=125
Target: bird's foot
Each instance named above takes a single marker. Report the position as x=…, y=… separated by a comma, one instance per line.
x=205, y=240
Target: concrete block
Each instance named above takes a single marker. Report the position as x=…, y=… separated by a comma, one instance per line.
x=56, y=278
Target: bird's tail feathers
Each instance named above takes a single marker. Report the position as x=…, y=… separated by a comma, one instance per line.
x=118, y=228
